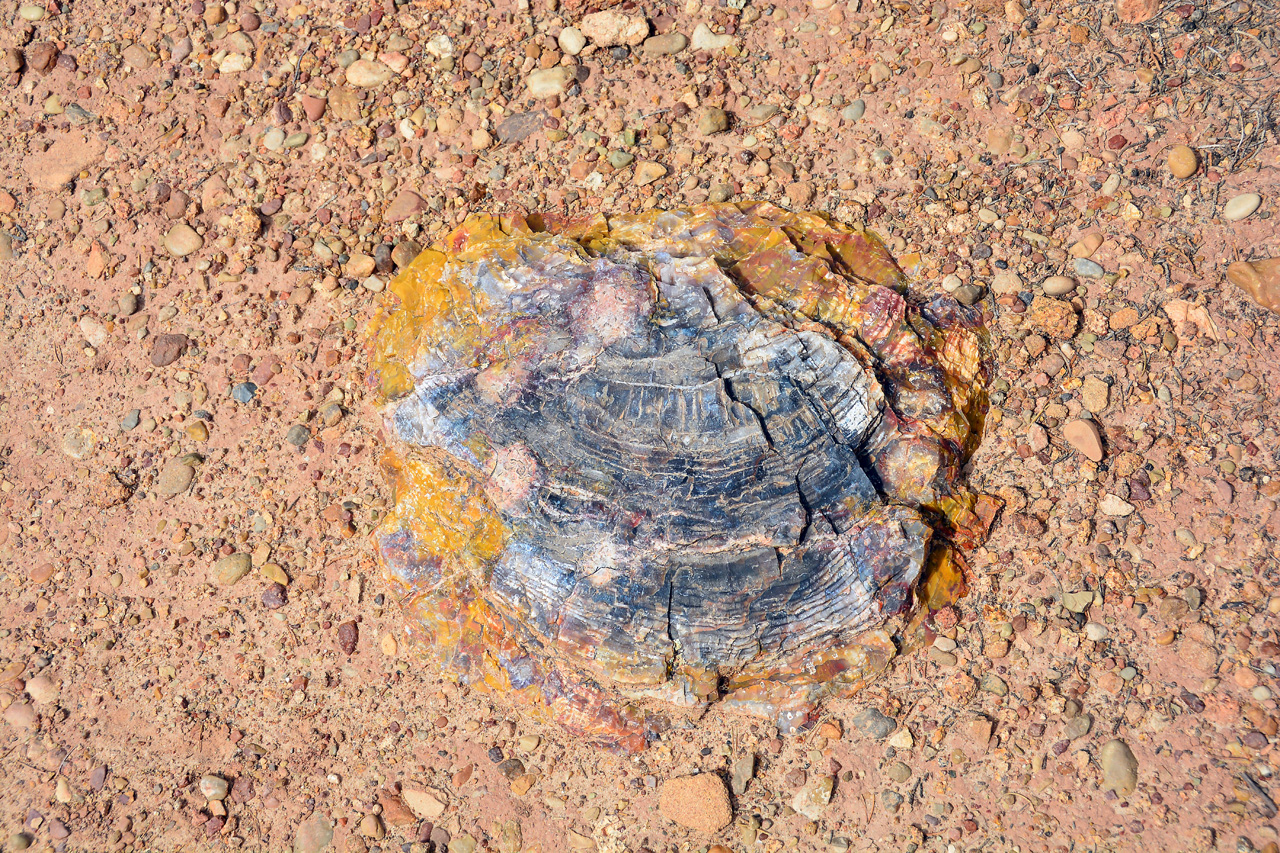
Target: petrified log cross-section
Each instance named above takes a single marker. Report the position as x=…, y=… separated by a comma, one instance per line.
x=688, y=487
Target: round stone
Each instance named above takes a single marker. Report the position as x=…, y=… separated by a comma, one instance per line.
x=1058, y=285
x=1183, y=161
x=1241, y=207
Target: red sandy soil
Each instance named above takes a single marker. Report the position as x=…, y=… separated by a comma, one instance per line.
x=1131, y=599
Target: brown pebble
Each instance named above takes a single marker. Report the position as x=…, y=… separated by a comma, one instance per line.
x=348, y=637
x=1183, y=161
x=168, y=348
x=1083, y=435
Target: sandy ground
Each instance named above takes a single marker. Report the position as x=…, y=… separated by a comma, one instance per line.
x=197, y=196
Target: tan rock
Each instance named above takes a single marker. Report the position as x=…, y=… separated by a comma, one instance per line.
x=546, y=82
x=1136, y=11
x=1183, y=161
x=1096, y=393
x=699, y=802
x=1119, y=767
x=182, y=240
x=367, y=73
x=1083, y=435
x=406, y=204
x=344, y=104
x=426, y=804
x=648, y=171
x=1260, y=279
x=608, y=28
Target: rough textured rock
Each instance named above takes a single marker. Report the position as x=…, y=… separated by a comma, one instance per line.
x=1119, y=767
x=814, y=796
x=1260, y=279
x=608, y=28
x=1136, y=11
x=682, y=487
x=699, y=802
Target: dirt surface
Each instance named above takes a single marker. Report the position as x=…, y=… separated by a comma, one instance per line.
x=196, y=649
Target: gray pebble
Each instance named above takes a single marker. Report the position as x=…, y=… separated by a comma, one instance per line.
x=244, y=392
x=1088, y=269
x=995, y=79
x=873, y=724
x=298, y=435
x=131, y=419
x=854, y=111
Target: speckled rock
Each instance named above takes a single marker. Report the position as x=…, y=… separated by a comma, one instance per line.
x=699, y=802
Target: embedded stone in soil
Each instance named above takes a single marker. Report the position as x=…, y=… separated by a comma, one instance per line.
x=669, y=459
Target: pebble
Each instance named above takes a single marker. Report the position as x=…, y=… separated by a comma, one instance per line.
x=665, y=45
x=741, y=773
x=21, y=715
x=1119, y=767
x=1058, y=285
x=274, y=596
x=168, y=348
x=42, y=689
x=1260, y=279
x=368, y=73
x=348, y=637
x=547, y=82
x=423, y=803
x=314, y=834
x=1077, y=727
x=1241, y=207
x=314, y=106
x=1084, y=436
x=213, y=787
x=814, y=796
x=231, y=568
x=698, y=802
x=571, y=40
x=182, y=240
x=704, y=39
x=298, y=435
x=1114, y=505
x=648, y=171
x=235, y=63
x=1087, y=245
x=6, y=247
x=870, y=722
x=407, y=203
x=854, y=111
x=175, y=478
x=1086, y=268
x=244, y=392
x=712, y=120
x=1183, y=161
x=371, y=827
x=1078, y=601
x=608, y=28
x=1095, y=631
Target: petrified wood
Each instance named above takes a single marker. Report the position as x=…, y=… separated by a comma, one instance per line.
x=670, y=458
